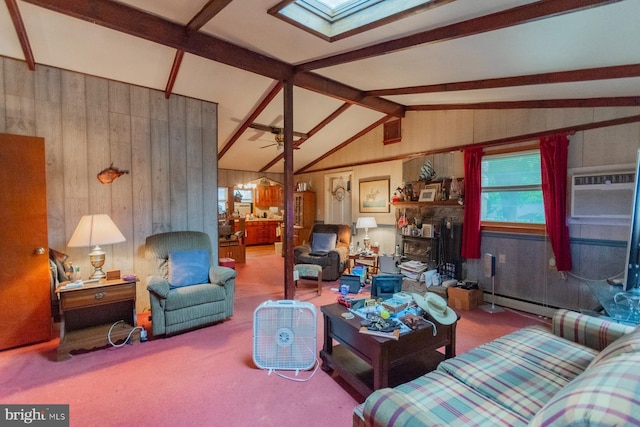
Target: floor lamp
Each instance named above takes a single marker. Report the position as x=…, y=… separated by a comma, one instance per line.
x=490, y=271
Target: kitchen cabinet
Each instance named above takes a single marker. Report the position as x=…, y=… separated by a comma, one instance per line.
x=268, y=195
x=262, y=232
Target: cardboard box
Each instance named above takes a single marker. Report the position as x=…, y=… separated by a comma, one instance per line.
x=463, y=299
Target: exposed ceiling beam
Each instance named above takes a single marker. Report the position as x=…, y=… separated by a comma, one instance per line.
x=177, y=60
x=320, y=84
x=134, y=22
x=331, y=117
x=600, y=73
x=210, y=10
x=504, y=19
x=490, y=143
x=345, y=143
x=622, y=101
x=14, y=12
x=275, y=89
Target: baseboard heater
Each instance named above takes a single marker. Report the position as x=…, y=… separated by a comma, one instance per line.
x=516, y=304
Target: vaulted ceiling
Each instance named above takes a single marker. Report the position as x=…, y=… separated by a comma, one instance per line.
x=458, y=54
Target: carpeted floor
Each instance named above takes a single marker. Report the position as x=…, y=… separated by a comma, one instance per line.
x=206, y=377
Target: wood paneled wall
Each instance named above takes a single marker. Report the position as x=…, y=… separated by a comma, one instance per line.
x=598, y=250
x=168, y=146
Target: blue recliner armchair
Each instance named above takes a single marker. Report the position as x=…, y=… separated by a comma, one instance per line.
x=187, y=306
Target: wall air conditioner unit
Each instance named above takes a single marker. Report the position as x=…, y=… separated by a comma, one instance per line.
x=602, y=195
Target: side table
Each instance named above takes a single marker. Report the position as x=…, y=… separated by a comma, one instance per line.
x=370, y=261
x=87, y=314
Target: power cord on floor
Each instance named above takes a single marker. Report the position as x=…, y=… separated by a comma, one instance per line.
x=301, y=380
x=143, y=334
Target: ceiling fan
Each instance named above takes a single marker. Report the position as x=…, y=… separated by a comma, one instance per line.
x=278, y=135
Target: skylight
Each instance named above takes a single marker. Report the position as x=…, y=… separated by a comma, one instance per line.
x=336, y=19
x=334, y=4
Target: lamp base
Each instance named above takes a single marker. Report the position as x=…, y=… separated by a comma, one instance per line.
x=491, y=308
x=97, y=257
x=367, y=243
x=98, y=274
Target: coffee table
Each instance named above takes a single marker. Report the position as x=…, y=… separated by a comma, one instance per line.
x=369, y=363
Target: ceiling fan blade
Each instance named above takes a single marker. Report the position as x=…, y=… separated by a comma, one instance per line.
x=263, y=128
x=270, y=145
x=275, y=130
x=256, y=137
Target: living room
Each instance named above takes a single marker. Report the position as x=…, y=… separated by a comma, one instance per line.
x=170, y=148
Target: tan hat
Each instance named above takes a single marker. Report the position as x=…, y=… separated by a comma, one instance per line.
x=437, y=307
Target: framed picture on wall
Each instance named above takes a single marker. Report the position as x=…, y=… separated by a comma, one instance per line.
x=374, y=195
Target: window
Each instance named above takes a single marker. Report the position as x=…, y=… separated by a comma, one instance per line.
x=222, y=200
x=512, y=188
x=336, y=19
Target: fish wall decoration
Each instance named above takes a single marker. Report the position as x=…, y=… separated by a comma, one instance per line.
x=108, y=175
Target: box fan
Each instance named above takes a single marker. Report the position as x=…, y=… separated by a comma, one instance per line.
x=284, y=335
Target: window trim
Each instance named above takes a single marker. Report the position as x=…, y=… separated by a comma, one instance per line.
x=514, y=227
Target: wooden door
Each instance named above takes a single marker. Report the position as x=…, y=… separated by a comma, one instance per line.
x=25, y=298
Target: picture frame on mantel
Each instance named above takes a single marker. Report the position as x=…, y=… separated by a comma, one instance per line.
x=428, y=194
x=374, y=195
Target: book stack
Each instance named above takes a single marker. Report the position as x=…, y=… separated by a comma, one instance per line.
x=413, y=269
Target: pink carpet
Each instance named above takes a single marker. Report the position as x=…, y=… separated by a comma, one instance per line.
x=207, y=376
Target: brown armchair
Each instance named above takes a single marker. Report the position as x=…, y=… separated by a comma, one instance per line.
x=336, y=260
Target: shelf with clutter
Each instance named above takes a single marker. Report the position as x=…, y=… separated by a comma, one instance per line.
x=429, y=214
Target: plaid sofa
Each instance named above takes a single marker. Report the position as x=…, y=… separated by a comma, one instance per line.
x=585, y=371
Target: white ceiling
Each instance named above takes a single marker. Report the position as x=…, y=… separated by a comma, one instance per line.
x=603, y=36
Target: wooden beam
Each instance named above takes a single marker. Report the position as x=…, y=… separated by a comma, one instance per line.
x=173, y=74
x=205, y=15
x=135, y=22
x=317, y=83
x=504, y=19
x=600, y=73
x=289, y=284
x=275, y=89
x=347, y=142
x=622, y=101
x=490, y=143
x=312, y=132
x=21, y=31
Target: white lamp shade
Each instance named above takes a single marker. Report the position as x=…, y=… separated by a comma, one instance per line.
x=366, y=222
x=93, y=230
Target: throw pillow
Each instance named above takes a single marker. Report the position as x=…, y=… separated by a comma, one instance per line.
x=322, y=243
x=628, y=343
x=188, y=268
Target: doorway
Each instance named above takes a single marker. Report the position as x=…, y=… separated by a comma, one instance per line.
x=338, y=198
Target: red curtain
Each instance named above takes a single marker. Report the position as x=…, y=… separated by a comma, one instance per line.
x=472, y=202
x=553, y=165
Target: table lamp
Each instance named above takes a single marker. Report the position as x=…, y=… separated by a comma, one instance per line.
x=96, y=230
x=366, y=222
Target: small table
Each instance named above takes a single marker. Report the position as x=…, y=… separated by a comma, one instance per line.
x=87, y=314
x=370, y=261
x=369, y=363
